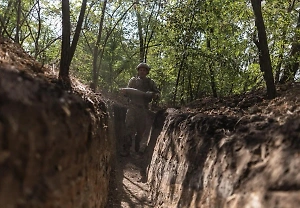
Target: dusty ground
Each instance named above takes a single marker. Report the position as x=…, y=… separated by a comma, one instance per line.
x=129, y=189
x=129, y=186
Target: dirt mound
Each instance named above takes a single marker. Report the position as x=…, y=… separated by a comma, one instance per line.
x=55, y=147
x=240, y=151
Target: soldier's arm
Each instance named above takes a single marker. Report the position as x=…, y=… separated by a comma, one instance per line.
x=155, y=91
x=132, y=83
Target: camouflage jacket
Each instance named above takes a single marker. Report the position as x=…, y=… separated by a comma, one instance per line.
x=145, y=85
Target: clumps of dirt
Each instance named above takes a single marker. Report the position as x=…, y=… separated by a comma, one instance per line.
x=254, y=102
x=12, y=56
x=15, y=59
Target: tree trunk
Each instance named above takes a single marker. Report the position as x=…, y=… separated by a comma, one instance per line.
x=265, y=61
x=36, y=42
x=140, y=32
x=67, y=50
x=149, y=37
x=65, y=46
x=95, y=75
x=18, y=23
x=5, y=20
x=211, y=71
x=77, y=30
x=212, y=81
x=177, y=80
x=280, y=58
x=293, y=66
x=190, y=87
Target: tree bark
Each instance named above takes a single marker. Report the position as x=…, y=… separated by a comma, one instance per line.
x=211, y=73
x=178, y=78
x=68, y=50
x=36, y=42
x=95, y=75
x=77, y=30
x=140, y=32
x=18, y=23
x=264, y=55
x=65, y=46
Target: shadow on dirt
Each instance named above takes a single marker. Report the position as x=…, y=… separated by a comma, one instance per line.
x=128, y=185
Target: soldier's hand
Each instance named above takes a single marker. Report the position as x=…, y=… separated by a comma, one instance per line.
x=123, y=91
x=149, y=95
x=155, y=96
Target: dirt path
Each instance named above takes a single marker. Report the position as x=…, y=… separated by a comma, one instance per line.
x=128, y=187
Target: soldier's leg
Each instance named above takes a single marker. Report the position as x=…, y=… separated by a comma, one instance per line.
x=141, y=127
x=129, y=132
x=137, y=142
x=126, y=146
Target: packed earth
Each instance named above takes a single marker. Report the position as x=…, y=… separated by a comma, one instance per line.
x=237, y=151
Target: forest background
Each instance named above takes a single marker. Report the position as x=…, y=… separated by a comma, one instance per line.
x=195, y=48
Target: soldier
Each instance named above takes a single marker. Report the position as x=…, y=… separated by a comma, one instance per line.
x=137, y=113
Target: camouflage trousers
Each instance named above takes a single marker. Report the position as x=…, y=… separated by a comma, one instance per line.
x=136, y=125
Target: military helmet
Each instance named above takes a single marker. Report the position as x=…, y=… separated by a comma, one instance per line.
x=143, y=65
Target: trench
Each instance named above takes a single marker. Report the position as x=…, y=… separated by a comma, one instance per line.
x=128, y=186
x=209, y=160
x=60, y=149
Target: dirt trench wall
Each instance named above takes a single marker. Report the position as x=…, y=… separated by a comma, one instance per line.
x=219, y=161
x=55, y=150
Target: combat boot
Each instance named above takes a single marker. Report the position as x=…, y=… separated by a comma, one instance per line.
x=126, y=150
x=125, y=153
x=126, y=146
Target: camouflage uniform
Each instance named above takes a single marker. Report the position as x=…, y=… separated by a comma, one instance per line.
x=137, y=113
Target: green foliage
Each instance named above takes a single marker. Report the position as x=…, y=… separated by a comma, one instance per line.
x=187, y=30
x=190, y=44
